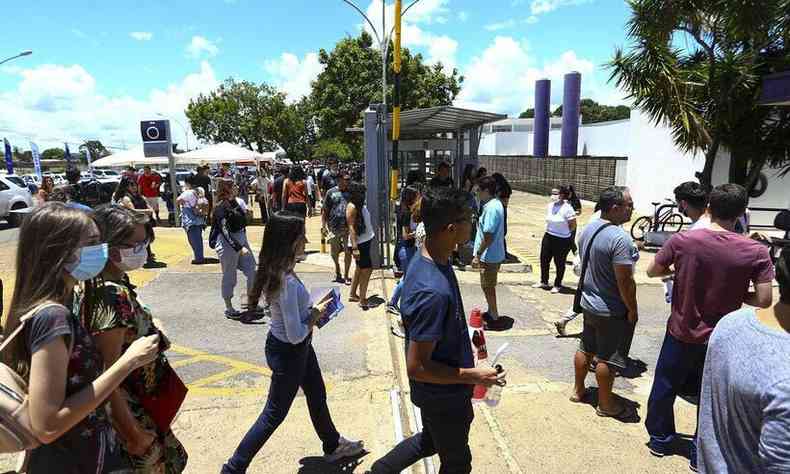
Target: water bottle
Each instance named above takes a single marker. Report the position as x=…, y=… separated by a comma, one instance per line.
x=494, y=393
x=477, y=335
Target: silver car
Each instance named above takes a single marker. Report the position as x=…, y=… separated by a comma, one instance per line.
x=15, y=199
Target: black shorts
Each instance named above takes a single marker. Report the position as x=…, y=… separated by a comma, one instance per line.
x=608, y=338
x=297, y=208
x=365, y=261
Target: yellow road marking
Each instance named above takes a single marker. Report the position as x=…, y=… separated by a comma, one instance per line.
x=218, y=377
x=197, y=356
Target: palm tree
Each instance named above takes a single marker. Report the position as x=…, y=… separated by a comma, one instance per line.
x=697, y=65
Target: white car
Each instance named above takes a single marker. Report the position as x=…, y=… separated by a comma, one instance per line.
x=15, y=199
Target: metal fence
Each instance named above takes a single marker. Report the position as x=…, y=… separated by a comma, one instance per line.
x=589, y=176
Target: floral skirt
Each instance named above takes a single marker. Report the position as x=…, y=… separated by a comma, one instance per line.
x=166, y=454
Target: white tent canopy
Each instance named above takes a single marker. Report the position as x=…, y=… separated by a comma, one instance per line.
x=225, y=153
x=132, y=157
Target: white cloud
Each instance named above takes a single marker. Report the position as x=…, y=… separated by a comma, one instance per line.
x=79, y=33
x=200, y=46
x=142, y=35
x=531, y=20
x=463, y=16
x=502, y=79
x=293, y=76
x=57, y=103
x=439, y=48
x=502, y=25
x=539, y=7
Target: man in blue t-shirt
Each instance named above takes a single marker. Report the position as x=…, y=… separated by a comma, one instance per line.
x=439, y=356
x=490, y=249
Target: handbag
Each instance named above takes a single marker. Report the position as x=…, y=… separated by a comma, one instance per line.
x=163, y=405
x=16, y=432
x=577, y=299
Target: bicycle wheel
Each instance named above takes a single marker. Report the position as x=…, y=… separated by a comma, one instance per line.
x=641, y=227
x=673, y=223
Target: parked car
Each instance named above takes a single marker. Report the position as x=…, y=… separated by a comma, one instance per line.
x=15, y=199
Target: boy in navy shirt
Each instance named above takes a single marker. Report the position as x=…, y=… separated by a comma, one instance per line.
x=439, y=356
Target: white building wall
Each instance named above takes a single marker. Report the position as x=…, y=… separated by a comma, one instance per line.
x=654, y=166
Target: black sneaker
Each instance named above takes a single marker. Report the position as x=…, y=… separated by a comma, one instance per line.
x=499, y=324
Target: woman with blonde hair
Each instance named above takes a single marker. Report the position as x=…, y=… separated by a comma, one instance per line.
x=50, y=348
x=229, y=238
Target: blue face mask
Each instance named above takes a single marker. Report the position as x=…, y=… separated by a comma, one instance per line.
x=90, y=263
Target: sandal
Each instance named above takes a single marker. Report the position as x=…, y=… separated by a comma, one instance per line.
x=575, y=399
x=353, y=299
x=626, y=414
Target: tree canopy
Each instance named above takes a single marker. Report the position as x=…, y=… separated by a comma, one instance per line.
x=254, y=115
x=351, y=81
x=698, y=66
x=592, y=112
x=96, y=148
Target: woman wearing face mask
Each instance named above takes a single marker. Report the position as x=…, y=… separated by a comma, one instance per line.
x=289, y=349
x=560, y=226
x=127, y=194
x=53, y=352
x=229, y=238
x=118, y=319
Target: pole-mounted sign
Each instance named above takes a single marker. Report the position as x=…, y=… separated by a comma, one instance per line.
x=157, y=142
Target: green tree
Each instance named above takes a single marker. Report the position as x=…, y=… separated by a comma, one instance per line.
x=295, y=130
x=96, y=148
x=351, y=81
x=527, y=114
x=332, y=147
x=53, y=154
x=237, y=112
x=698, y=66
x=593, y=112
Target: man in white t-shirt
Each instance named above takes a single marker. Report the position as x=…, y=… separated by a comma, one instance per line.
x=692, y=200
x=262, y=183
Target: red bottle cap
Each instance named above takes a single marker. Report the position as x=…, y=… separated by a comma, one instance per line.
x=476, y=319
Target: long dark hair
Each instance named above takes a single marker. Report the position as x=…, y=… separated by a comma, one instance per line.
x=783, y=275
x=410, y=195
x=468, y=176
x=122, y=190
x=48, y=240
x=357, y=191
x=277, y=254
x=296, y=174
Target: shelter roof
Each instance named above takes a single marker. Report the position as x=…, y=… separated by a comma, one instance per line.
x=443, y=119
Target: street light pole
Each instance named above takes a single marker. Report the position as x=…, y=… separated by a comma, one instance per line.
x=186, y=135
x=23, y=53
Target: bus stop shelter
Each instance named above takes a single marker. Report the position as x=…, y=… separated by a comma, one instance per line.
x=428, y=137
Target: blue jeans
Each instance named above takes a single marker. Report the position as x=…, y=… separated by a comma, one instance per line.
x=292, y=366
x=445, y=430
x=679, y=366
x=405, y=255
x=195, y=237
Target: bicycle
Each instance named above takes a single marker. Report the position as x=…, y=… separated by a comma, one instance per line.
x=664, y=216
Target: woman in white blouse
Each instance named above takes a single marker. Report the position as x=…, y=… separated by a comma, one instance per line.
x=557, y=242
x=289, y=349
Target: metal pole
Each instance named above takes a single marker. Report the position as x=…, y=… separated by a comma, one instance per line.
x=23, y=53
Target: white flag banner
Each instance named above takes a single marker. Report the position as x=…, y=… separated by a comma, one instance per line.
x=88, y=157
x=36, y=158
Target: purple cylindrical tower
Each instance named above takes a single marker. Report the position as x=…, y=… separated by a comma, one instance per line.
x=571, y=103
x=540, y=138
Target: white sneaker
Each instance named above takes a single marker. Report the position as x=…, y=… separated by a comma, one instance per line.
x=345, y=448
x=556, y=290
x=540, y=285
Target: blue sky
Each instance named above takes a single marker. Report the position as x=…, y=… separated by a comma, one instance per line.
x=100, y=67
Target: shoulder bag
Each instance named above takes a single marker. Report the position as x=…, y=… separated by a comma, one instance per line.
x=16, y=432
x=577, y=299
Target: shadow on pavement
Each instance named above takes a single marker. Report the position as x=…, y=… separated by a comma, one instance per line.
x=317, y=465
x=591, y=398
x=155, y=265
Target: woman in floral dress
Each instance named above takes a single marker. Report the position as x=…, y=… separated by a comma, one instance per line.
x=118, y=318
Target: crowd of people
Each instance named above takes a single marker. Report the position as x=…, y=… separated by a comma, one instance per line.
x=92, y=353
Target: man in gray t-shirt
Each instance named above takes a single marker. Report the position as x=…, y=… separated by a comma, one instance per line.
x=744, y=418
x=608, y=300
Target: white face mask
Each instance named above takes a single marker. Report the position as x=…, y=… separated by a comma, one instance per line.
x=131, y=260
x=555, y=197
